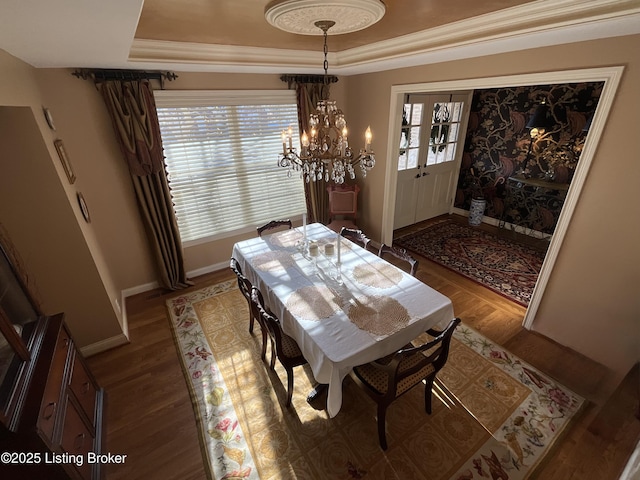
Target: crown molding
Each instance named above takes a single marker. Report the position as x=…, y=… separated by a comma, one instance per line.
x=531, y=25
x=528, y=19
x=223, y=58
x=355, y=62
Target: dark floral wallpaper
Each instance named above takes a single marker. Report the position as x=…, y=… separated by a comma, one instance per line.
x=498, y=143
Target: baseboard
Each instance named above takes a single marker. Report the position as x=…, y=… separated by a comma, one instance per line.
x=130, y=292
x=106, y=344
x=208, y=269
x=506, y=225
x=123, y=338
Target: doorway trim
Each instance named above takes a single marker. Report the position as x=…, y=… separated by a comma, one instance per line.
x=609, y=75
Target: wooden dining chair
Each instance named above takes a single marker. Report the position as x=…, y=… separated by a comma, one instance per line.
x=343, y=206
x=273, y=224
x=388, y=378
x=245, y=288
x=286, y=348
x=356, y=236
x=401, y=254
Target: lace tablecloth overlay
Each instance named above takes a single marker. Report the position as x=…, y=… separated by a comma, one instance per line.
x=273, y=260
x=314, y=303
x=379, y=315
x=286, y=239
x=379, y=275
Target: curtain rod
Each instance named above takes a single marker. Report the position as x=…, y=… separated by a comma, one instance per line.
x=97, y=74
x=291, y=79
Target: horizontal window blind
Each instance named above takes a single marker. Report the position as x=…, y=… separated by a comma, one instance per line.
x=222, y=158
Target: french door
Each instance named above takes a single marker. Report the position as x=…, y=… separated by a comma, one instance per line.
x=431, y=143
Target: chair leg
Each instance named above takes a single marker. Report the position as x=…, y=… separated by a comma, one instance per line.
x=289, y=386
x=272, y=364
x=264, y=343
x=427, y=395
x=382, y=435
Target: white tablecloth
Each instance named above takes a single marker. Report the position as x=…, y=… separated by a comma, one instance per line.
x=332, y=343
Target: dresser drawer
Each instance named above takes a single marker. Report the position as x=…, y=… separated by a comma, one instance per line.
x=77, y=439
x=83, y=388
x=50, y=406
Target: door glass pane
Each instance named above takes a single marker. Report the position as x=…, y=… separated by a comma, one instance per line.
x=441, y=112
x=453, y=131
x=416, y=113
x=402, y=161
x=456, y=113
x=431, y=156
x=412, y=116
x=451, y=151
x=404, y=141
x=444, y=132
x=442, y=153
x=435, y=135
x=413, y=158
x=414, y=137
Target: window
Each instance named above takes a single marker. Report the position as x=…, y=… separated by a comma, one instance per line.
x=443, y=122
x=221, y=151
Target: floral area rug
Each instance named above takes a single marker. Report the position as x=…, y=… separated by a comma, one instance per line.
x=508, y=268
x=494, y=416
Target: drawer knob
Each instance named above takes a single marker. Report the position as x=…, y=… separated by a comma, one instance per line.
x=49, y=410
x=85, y=387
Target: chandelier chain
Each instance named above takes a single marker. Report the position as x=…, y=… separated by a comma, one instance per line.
x=326, y=51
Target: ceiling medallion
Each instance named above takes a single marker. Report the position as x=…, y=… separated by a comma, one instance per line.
x=300, y=16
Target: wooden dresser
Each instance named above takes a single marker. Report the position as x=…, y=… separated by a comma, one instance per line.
x=55, y=427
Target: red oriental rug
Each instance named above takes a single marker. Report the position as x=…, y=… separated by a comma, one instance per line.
x=508, y=268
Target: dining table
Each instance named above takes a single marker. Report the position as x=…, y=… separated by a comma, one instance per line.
x=343, y=305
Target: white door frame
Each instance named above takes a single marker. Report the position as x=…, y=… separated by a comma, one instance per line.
x=611, y=78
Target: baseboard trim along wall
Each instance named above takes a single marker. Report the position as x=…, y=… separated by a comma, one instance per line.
x=207, y=269
x=506, y=225
x=106, y=344
x=123, y=338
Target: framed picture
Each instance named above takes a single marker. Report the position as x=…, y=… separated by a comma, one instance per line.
x=49, y=118
x=83, y=207
x=64, y=158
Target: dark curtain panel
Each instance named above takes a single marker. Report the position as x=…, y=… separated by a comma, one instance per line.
x=310, y=89
x=308, y=95
x=135, y=120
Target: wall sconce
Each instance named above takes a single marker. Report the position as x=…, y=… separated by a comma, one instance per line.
x=537, y=125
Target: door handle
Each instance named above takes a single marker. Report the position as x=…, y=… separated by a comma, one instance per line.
x=49, y=410
x=426, y=173
x=418, y=175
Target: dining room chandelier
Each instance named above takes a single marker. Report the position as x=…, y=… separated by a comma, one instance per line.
x=325, y=152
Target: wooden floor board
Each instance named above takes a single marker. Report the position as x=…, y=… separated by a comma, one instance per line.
x=149, y=415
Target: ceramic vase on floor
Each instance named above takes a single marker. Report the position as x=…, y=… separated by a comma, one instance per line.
x=476, y=211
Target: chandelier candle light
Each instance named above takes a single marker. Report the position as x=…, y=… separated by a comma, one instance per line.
x=325, y=152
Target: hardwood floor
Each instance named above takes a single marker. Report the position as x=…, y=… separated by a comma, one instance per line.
x=150, y=419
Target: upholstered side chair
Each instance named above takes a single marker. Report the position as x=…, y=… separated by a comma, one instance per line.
x=275, y=224
x=286, y=348
x=343, y=206
x=356, y=236
x=388, y=378
x=245, y=288
x=401, y=254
